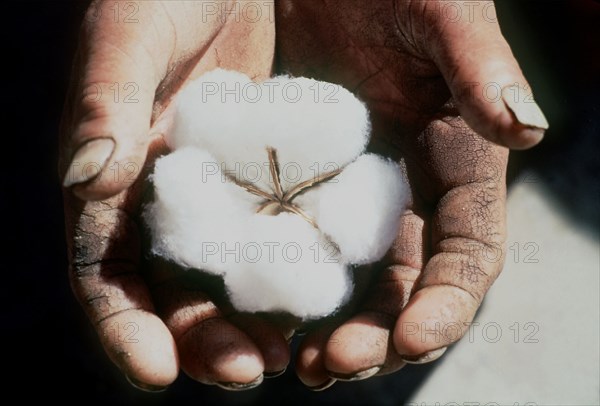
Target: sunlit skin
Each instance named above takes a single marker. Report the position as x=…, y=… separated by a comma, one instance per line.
x=416, y=68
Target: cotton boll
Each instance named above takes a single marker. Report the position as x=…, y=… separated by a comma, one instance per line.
x=202, y=219
x=288, y=267
x=360, y=208
x=195, y=209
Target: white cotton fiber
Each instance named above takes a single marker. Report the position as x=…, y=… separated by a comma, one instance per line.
x=203, y=217
x=195, y=209
x=360, y=208
x=296, y=272
x=314, y=126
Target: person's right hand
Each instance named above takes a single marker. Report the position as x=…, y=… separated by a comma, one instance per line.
x=424, y=74
x=132, y=59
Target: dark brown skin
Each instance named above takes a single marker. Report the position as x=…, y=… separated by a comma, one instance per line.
x=413, y=67
x=437, y=270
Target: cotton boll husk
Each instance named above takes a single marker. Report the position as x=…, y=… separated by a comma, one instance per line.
x=360, y=208
x=310, y=138
x=195, y=209
x=301, y=275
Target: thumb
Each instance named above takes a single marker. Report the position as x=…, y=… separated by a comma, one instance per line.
x=484, y=78
x=109, y=110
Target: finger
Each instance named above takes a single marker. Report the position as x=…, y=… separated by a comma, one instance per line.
x=310, y=359
x=468, y=232
x=104, y=257
x=363, y=347
x=118, y=68
x=212, y=349
x=269, y=339
x=493, y=96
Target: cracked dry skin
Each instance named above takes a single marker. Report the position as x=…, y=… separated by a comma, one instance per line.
x=456, y=219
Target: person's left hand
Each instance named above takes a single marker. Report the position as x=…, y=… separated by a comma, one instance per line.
x=428, y=78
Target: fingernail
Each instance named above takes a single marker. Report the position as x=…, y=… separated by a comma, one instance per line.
x=235, y=386
x=356, y=376
x=425, y=357
x=144, y=386
x=274, y=374
x=89, y=160
x=290, y=336
x=323, y=386
x=525, y=109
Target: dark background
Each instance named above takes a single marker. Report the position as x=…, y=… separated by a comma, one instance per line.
x=48, y=345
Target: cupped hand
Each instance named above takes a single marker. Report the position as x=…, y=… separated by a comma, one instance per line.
x=446, y=98
x=132, y=59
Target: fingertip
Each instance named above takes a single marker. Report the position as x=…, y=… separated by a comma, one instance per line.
x=96, y=177
x=426, y=357
x=88, y=160
x=310, y=366
x=328, y=383
x=216, y=352
x=524, y=108
x=357, y=349
x=527, y=121
x=513, y=119
x=142, y=346
x=144, y=386
x=237, y=387
x=524, y=138
x=435, y=317
x=271, y=342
